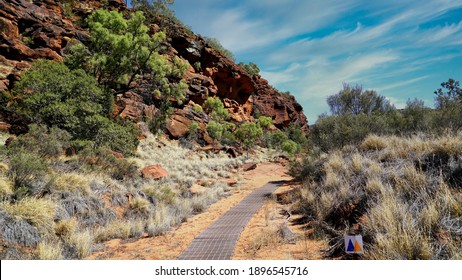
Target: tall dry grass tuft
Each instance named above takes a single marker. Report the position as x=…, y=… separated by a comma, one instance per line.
x=49, y=251
x=373, y=142
x=403, y=194
x=38, y=212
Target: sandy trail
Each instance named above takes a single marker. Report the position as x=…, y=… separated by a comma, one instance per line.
x=170, y=245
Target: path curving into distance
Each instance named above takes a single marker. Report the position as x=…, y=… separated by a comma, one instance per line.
x=218, y=241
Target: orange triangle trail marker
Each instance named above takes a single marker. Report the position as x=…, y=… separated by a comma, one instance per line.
x=357, y=248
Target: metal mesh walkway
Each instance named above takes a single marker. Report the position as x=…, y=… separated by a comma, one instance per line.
x=217, y=242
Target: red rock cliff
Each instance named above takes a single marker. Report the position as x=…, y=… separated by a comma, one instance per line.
x=31, y=30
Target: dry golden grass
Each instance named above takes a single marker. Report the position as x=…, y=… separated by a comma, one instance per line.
x=3, y=167
x=82, y=242
x=140, y=204
x=374, y=186
x=331, y=180
x=374, y=142
x=6, y=187
x=412, y=206
x=49, y=251
x=39, y=212
x=335, y=162
x=451, y=145
x=356, y=163
x=72, y=182
x=396, y=236
x=374, y=169
x=113, y=230
x=65, y=228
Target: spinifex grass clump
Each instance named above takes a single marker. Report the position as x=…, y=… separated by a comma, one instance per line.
x=402, y=194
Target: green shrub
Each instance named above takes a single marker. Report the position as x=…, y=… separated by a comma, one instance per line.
x=248, y=133
x=276, y=138
x=55, y=95
x=197, y=66
x=352, y=100
x=215, y=130
x=198, y=108
x=306, y=170
x=47, y=142
x=265, y=122
x=71, y=100
x=105, y=161
x=216, y=109
x=332, y=132
x=120, y=138
x=289, y=147
x=192, y=130
x=27, y=171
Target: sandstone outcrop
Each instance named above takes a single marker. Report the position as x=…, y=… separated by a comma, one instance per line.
x=154, y=172
x=31, y=30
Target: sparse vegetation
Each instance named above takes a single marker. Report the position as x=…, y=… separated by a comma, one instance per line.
x=216, y=45
x=251, y=68
x=391, y=201
x=75, y=178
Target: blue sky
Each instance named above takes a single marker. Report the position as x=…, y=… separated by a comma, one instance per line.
x=403, y=49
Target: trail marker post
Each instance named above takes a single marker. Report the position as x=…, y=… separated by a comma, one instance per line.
x=354, y=244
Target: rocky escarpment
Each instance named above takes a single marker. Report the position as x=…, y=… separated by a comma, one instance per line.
x=31, y=30
x=242, y=95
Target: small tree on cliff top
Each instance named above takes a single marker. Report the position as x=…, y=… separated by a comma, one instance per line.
x=120, y=50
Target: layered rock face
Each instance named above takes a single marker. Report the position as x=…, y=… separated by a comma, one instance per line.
x=242, y=95
x=31, y=30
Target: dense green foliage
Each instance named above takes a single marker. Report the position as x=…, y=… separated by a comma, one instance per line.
x=449, y=92
x=248, y=133
x=52, y=94
x=355, y=114
x=265, y=122
x=215, y=130
x=122, y=50
x=353, y=100
x=215, y=108
x=119, y=49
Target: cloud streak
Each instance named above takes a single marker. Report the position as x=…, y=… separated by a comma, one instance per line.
x=402, y=48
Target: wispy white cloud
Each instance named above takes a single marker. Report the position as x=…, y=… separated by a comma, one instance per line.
x=311, y=47
x=442, y=34
x=402, y=83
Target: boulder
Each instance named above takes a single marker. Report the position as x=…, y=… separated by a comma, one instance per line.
x=249, y=166
x=154, y=172
x=178, y=126
x=131, y=105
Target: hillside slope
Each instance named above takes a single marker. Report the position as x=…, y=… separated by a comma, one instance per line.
x=31, y=30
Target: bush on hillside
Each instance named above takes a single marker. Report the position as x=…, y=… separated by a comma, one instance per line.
x=216, y=45
x=52, y=94
x=248, y=133
x=215, y=108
